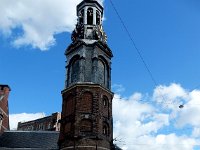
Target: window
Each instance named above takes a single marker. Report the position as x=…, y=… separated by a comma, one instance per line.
x=1, y=116
x=75, y=71
x=105, y=107
x=105, y=101
x=105, y=129
x=101, y=68
x=90, y=16
x=86, y=102
x=49, y=126
x=69, y=106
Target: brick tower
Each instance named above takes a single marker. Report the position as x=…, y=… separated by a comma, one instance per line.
x=4, y=112
x=86, y=121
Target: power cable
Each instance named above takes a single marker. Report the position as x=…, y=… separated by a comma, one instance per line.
x=134, y=44
x=136, y=48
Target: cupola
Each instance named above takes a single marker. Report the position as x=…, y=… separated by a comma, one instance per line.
x=89, y=24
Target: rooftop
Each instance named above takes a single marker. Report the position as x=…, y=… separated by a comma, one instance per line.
x=46, y=140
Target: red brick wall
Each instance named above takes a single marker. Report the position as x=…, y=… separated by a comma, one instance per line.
x=86, y=103
x=4, y=90
x=86, y=124
x=49, y=123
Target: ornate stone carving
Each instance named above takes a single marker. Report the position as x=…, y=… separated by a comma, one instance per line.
x=100, y=34
x=78, y=32
x=93, y=33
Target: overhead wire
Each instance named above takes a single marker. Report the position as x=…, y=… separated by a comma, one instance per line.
x=136, y=48
x=140, y=53
x=134, y=44
x=142, y=59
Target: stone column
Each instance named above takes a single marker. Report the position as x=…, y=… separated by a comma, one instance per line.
x=85, y=15
x=94, y=16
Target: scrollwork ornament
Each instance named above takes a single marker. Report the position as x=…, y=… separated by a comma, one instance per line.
x=78, y=33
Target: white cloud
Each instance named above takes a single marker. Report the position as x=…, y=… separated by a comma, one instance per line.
x=141, y=125
x=196, y=132
x=190, y=114
x=170, y=96
x=15, y=118
x=148, y=126
x=38, y=21
x=161, y=142
x=118, y=88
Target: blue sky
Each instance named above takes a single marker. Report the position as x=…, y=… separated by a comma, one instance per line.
x=35, y=34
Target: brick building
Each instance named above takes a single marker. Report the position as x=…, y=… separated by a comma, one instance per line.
x=4, y=111
x=49, y=123
x=86, y=120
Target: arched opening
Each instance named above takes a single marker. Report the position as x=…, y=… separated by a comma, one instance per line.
x=90, y=16
x=105, y=71
x=105, y=106
x=74, y=69
x=105, y=129
x=81, y=16
x=101, y=69
x=97, y=17
x=86, y=102
x=69, y=106
x=105, y=101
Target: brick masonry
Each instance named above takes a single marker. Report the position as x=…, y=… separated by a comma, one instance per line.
x=86, y=118
x=89, y=123
x=4, y=111
x=49, y=123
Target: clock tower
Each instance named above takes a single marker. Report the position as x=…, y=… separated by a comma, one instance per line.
x=86, y=121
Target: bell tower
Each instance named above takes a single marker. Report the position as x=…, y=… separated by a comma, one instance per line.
x=86, y=121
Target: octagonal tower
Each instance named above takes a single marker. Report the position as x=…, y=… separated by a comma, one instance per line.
x=86, y=121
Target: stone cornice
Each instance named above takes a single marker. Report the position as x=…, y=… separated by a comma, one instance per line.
x=87, y=85
x=101, y=45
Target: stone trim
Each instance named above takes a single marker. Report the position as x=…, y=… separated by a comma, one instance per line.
x=86, y=84
x=72, y=147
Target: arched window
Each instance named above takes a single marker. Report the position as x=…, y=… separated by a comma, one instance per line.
x=81, y=16
x=90, y=16
x=105, y=106
x=67, y=127
x=105, y=129
x=75, y=71
x=69, y=106
x=101, y=69
x=97, y=17
x=86, y=102
x=86, y=125
x=105, y=101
